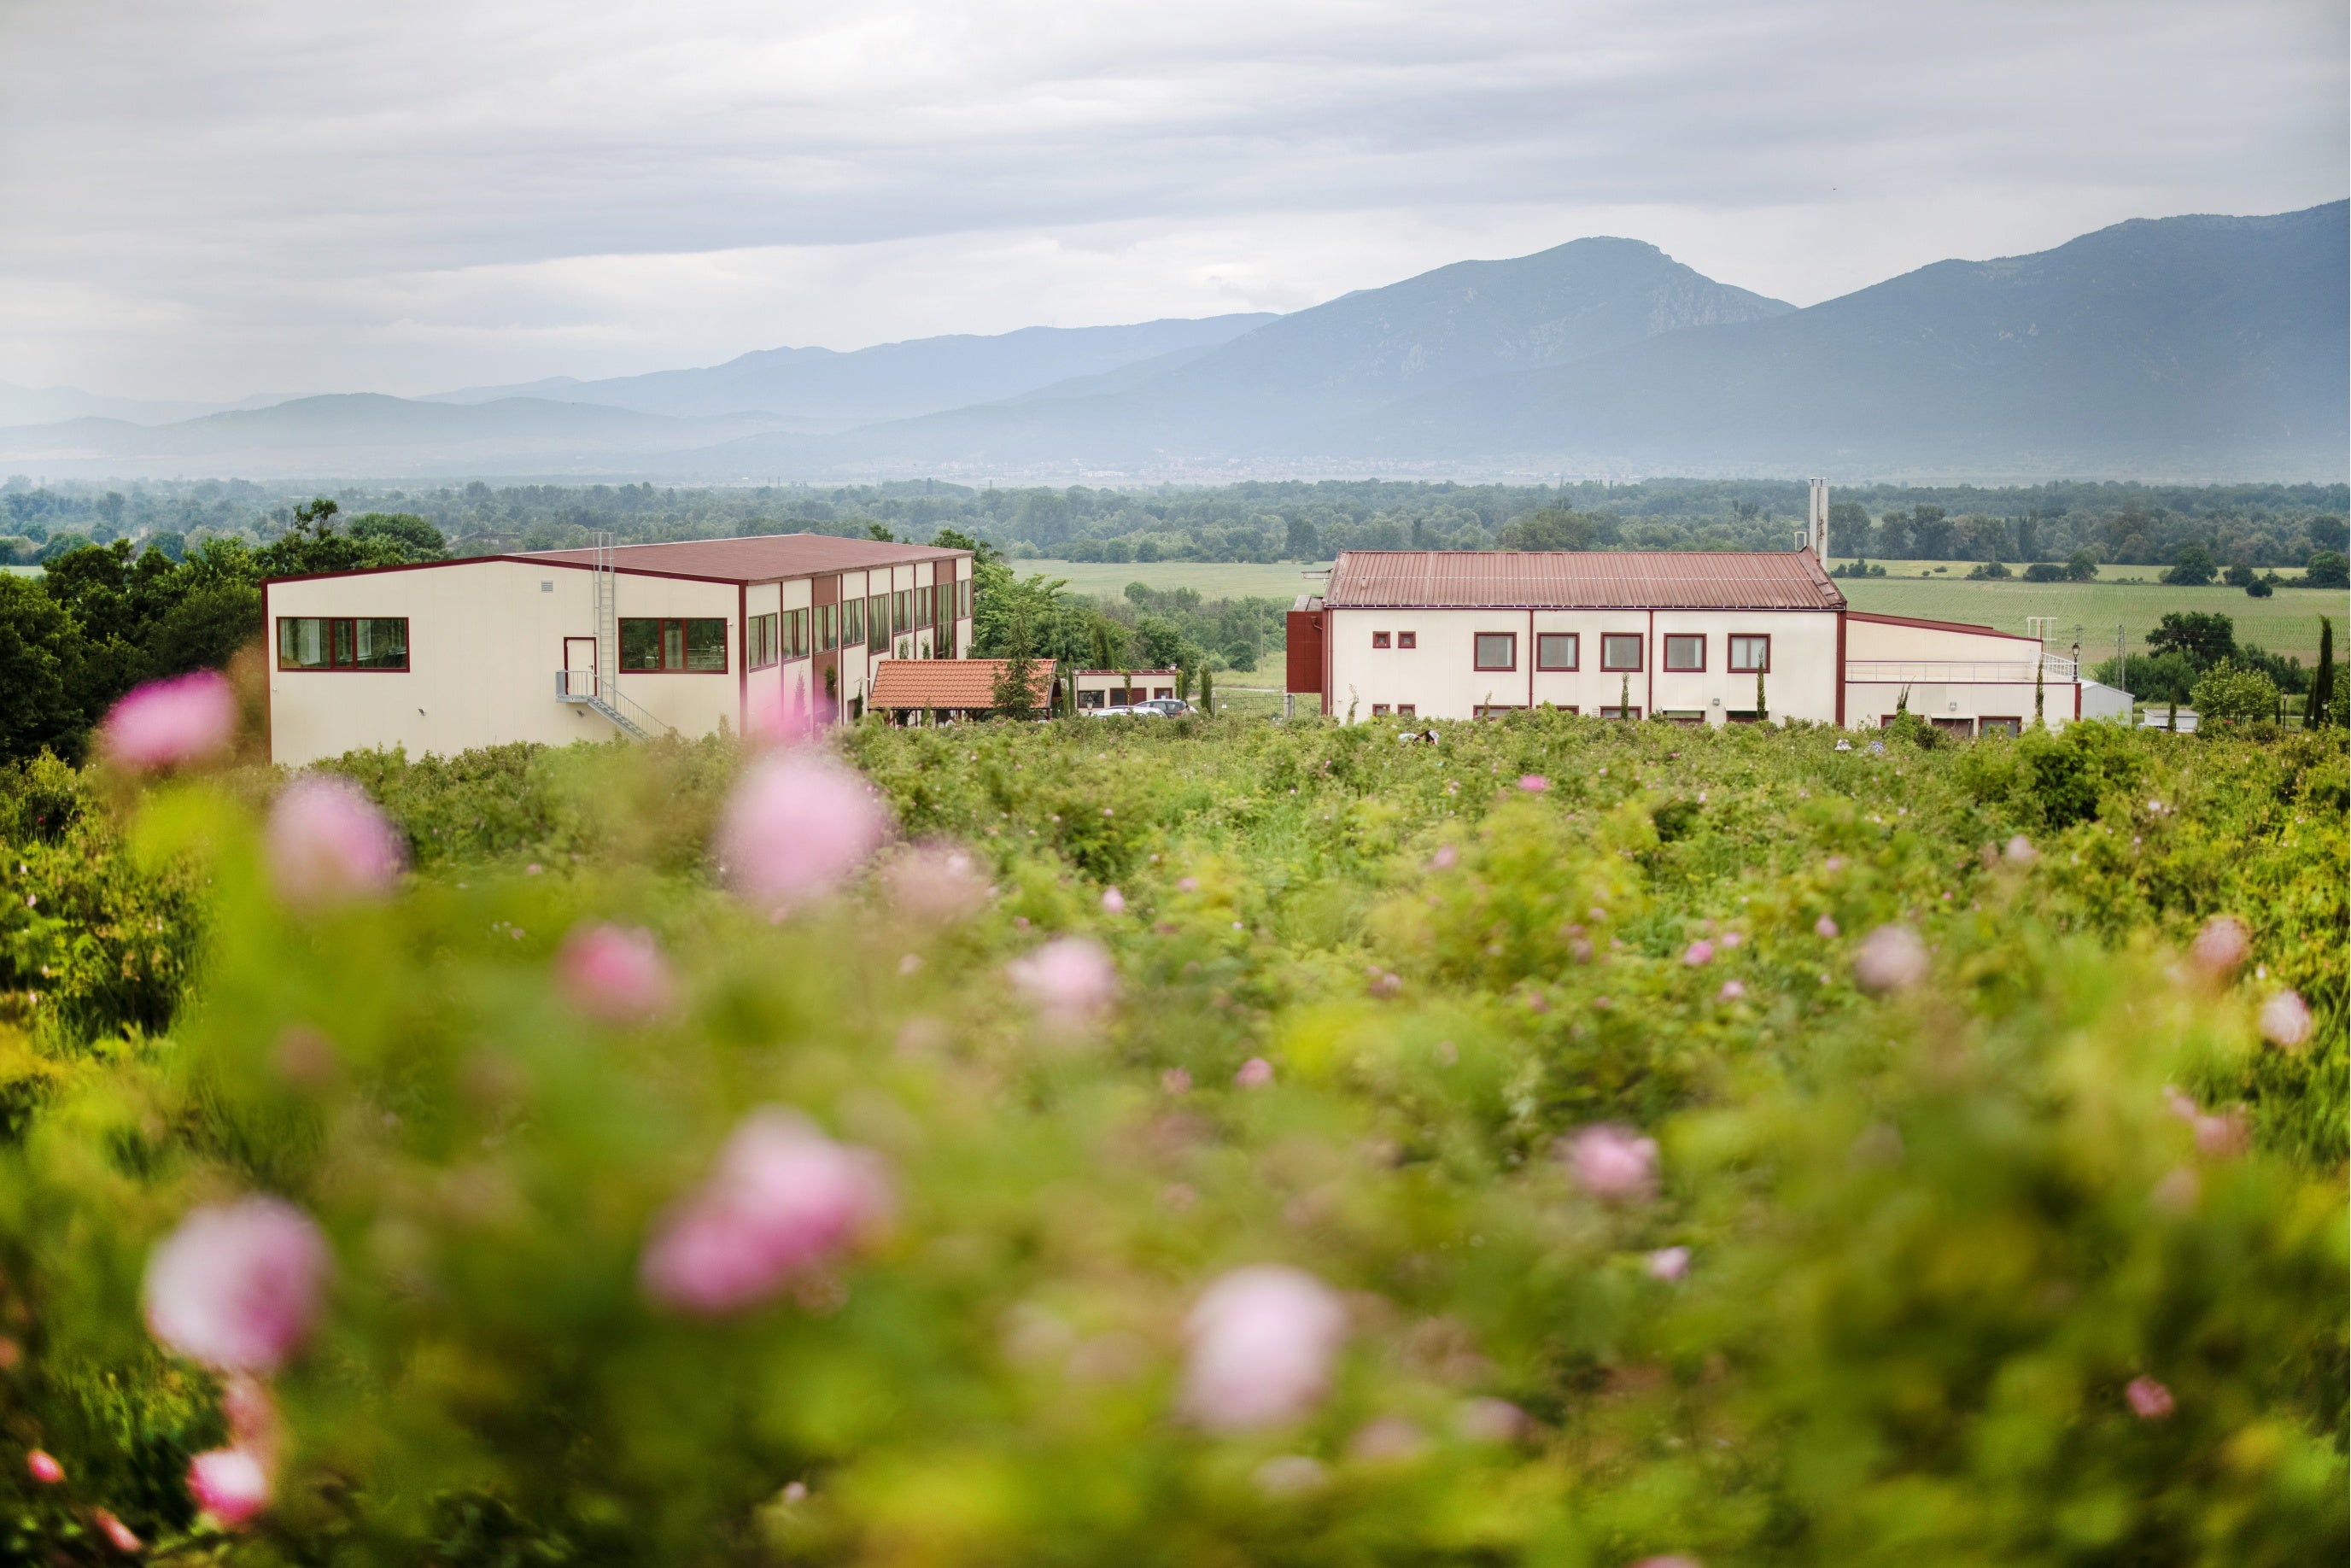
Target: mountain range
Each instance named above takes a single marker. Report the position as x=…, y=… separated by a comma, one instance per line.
x=2184, y=349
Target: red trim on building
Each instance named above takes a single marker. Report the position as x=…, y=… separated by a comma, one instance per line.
x=1967, y=627
x=742, y=667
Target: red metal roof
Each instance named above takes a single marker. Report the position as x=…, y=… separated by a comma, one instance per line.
x=755, y=559
x=948, y=683
x=1969, y=627
x=1580, y=579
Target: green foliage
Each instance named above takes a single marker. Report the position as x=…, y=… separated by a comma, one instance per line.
x=2327, y=569
x=2192, y=566
x=2228, y=694
x=2206, y=639
x=1932, y=1235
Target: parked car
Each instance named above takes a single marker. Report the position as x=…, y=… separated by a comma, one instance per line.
x=1157, y=707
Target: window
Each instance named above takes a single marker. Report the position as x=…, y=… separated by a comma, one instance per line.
x=2011, y=727
x=1749, y=655
x=1558, y=651
x=923, y=616
x=852, y=623
x=759, y=643
x=1380, y=640
x=1160, y=693
x=1687, y=717
x=1496, y=710
x=1620, y=712
x=1407, y=638
x=1498, y=650
x=1685, y=653
x=1620, y=651
x=344, y=642
x=1088, y=697
x=1404, y=710
x=877, y=622
x=828, y=626
x=670, y=646
x=902, y=611
x=1379, y=710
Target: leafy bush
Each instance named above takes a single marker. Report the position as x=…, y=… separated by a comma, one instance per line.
x=1935, y=1270
x=2229, y=695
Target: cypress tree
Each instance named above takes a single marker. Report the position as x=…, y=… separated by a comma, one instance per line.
x=1762, y=714
x=1207, y=691
x=1016, y=680
x=2321, y=680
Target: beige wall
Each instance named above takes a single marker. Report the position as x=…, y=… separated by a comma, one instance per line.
x=1440, y=680
x=1950, y=674
x=485, y=642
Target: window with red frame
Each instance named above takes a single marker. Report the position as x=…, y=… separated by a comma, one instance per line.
x=1750, y=655
x=1498, y=650
x=1379, y=639
x=1685, y=653
x=1620, y=651
x=1558, y=651
x=343, y=643
x=1407, y=638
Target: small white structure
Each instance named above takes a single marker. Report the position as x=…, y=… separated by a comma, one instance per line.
x=1682, y=635
x=561, y=645
x=1123, y=688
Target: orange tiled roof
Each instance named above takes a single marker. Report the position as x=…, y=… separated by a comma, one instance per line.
x=947, y=682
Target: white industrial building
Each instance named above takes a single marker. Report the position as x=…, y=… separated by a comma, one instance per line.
x=561, y=645
x=1680, y=635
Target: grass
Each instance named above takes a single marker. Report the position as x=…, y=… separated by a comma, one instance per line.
x=1284, y=581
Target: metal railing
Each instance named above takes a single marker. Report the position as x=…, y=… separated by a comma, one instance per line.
x=2054, y=670
x=630, y=718
x=600, y=689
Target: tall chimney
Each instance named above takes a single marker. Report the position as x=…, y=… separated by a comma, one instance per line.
x=1820, y=523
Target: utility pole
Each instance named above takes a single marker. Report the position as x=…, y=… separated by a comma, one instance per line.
x=2122, y=674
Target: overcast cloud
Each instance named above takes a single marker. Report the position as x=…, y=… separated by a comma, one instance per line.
x=207, y=199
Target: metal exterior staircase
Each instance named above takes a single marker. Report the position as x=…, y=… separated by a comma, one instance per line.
x=602, y=693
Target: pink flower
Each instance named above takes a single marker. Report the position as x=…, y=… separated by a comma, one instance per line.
x=1188, y=885
x=238, y=1286
x=1387, y=1440
x=1891, y=958
x=1834, y=864
x=1446, y=858
x=1613, y=1162
x=1824, y=928
x=1667, y=1563
x=1731, y=990
x=1113, y=901
x=1262, y=1342
x=1700, y=952
x=118, y=1535
x=328, y=842
x=797, y=825
x=1490, y=1421
x=169, y=724
x=1070, y=980
x=2019, y=851
x=1175, y=1081
x=783, y=1201
x=938, y=883
x=615, y=973
x=2286, y=1019
x=1533, y=783
x=43, y=1468
x=1668, y=1263
x=2221, y=945
x=230, y=1484
x=1255, y=1073
x=2150, y=1400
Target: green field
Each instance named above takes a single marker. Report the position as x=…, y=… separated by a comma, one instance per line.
x=1209, y=578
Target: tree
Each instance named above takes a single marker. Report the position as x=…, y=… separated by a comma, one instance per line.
x=1550, y=529
x=1763, y=709
x=2314, y=708
x=1303, y=543
x=2193, y=566
x=2238, y=575
x=2081, y=566
x=1015, y=679
x=2205, y=638
x=1207, y=691
x=417, y=538
x=982, y=552
x=877, y=532
x=2327, y=569
x=2229, y=694
x=37, y=712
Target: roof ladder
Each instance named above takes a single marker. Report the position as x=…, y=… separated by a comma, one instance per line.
x=603, y=695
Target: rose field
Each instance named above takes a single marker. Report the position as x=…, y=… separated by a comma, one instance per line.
x=1213, y=1142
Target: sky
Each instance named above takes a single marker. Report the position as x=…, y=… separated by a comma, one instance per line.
x=212, y=199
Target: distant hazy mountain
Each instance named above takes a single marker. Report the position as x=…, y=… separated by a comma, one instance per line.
x=47, y=406
x=365, y=433
x=1275, y=390
x=2189, y=347
x=891, y=380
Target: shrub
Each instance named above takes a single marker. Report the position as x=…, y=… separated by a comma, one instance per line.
x=2228, y=694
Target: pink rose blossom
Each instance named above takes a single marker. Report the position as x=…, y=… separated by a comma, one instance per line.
x=1255, y=1073
x=1070, y=980
x=1699, y=953
x=2221, y=945
x=238, y=1287
x=1613, y=1162
x=169, y=724
x=1533, y=783
x=1824, y=927
x=615, y=973
x=1733, y=938
x=2286, y=1019
x=1667, y=1563
x=782, y=1201
x=118, y=1535
x=938, y=883
x=1891, y=958
x=2150, y=1400
x=1175, y=1081
x=230, y=1484
x=328, y=842
x=1388, y=1440
x=1289, y=1475
x=1113, y=901
x=2019, y=851
x=1668, y=1263
x=1732, y=991
x=43, y=1467
x=1446, y=858
x=1262, y=1340
x=797, y=825
x=1188, y=885
x=1490, y=1421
